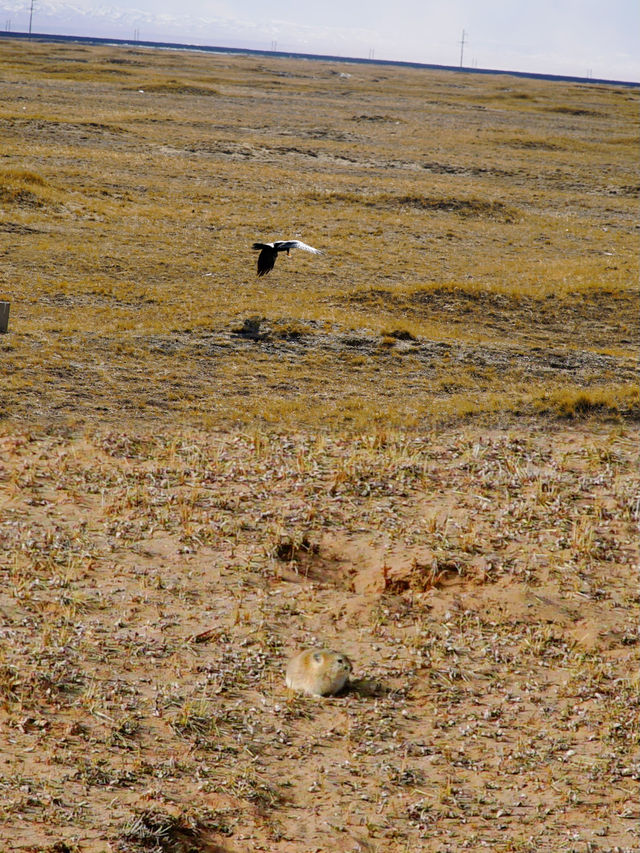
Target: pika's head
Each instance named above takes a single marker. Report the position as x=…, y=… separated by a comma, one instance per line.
x=328, y=660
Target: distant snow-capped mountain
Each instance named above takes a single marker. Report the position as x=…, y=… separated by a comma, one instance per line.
x=58, y=17
x=61, y=18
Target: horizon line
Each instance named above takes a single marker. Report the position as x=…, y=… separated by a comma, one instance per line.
x=536, y=75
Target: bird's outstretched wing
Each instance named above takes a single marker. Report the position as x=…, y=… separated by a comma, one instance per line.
x=269, y=252
x=285, y=245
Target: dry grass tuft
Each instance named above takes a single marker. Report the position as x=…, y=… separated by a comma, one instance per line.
x=23, y=188
x=176, y=87
x=578, y=402
x=163, y=832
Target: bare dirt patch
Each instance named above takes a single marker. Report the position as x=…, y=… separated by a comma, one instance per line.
x=483, y=583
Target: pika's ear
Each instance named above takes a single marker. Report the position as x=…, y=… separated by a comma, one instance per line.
x=317, y=656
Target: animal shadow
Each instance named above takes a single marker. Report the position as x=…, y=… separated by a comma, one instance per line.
x=368, y=688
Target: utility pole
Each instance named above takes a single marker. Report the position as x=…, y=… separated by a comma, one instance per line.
x=462, y=40
x=31, y=16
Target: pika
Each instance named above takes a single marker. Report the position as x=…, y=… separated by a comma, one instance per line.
x=319, y=672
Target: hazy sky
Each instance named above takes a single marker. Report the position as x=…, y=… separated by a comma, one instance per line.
x=600, y=38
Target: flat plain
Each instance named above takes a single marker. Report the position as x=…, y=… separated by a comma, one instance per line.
x=418, y=447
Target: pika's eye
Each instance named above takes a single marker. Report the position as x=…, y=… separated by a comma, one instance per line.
x=317, y=657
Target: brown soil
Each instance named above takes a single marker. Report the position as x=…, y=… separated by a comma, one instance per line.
x=483, y=583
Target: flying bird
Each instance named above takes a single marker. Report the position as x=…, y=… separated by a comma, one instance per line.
x=269, y=252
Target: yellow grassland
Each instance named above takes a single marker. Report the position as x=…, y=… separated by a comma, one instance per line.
x=486, y=212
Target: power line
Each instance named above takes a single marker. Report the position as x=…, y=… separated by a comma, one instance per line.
x=462, y=40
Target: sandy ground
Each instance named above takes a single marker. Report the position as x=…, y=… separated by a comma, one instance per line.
x=482, y=582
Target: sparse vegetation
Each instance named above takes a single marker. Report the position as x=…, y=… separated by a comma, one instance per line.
x=419, y=448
